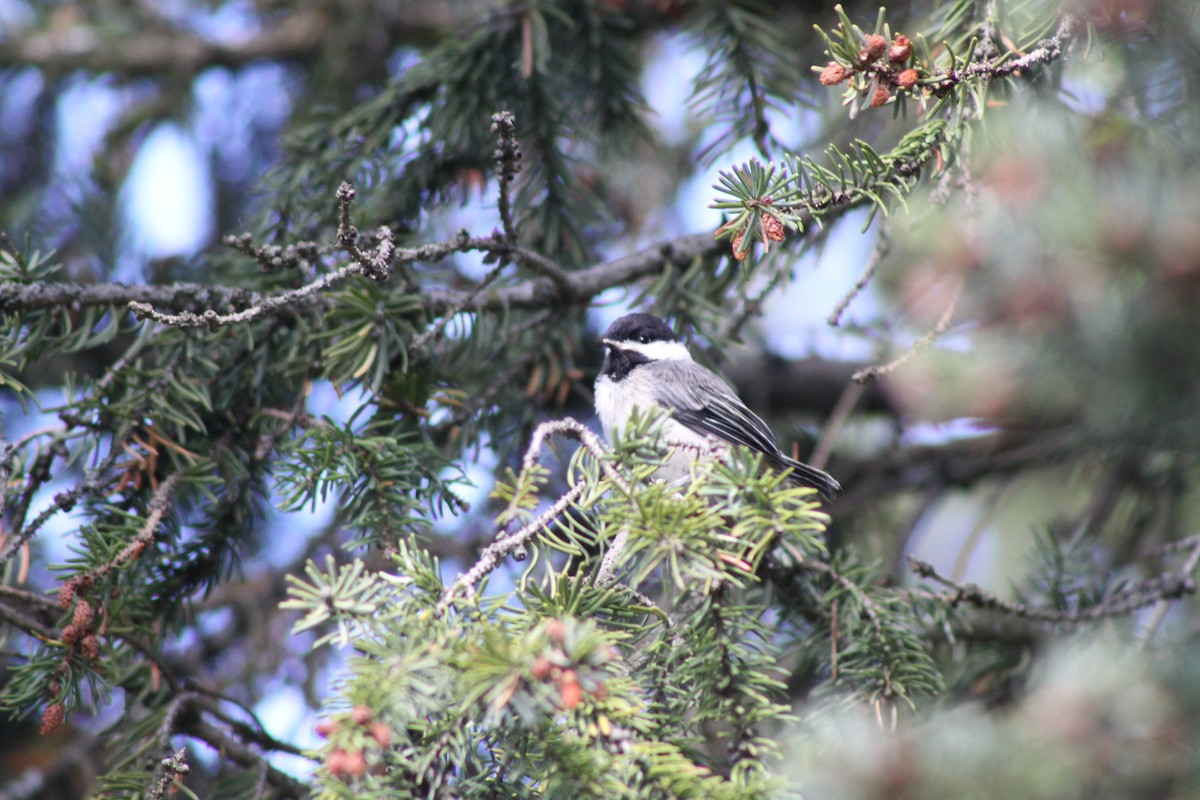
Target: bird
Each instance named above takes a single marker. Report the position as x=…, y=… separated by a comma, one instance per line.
x=646, y=366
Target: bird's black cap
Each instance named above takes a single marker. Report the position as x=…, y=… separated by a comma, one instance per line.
x=640, y=328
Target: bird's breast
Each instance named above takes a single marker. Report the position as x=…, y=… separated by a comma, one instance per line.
x=616, y=400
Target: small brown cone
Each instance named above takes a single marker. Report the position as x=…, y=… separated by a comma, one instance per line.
x=738, y=252
x=52, y=717
x=84, y=615
x=90, y=647
x=773, y=228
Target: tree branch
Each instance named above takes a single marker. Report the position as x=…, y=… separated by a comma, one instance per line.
x=195, y=299
x=152, y=51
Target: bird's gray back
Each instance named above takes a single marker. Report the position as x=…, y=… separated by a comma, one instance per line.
x=704, y=403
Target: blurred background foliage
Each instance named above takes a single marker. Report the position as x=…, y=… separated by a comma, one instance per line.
x=1021, y=309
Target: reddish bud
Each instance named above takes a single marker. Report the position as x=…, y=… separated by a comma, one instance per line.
x=90, y=647
x=541, y=668
x=601, y=691
x=356, y=763
x=880, y=96
x=52, y=717
x=556, y=630
x=570, y=692
x=344, y=764
x=381, y=733
x=361, y=715
x=907, y=79
x=876, y=46
x=900, y=50
x=84, y=615
x=833, y=73
x=324, y=728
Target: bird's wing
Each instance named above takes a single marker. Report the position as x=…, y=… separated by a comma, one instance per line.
x=702, y=402
x=803, y=474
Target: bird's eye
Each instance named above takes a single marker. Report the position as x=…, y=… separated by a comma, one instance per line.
x=644, y=339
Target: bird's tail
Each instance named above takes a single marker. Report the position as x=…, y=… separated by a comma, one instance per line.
x=803, y=474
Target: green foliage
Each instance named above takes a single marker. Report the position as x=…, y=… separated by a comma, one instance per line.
x=750, y=69
x=609, y=636
x=563, y=684
x=423, y=140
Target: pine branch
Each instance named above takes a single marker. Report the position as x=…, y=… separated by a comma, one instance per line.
x=154, y=49
x=1121, y=603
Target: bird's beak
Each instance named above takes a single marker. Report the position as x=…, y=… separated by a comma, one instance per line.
x=610, y=343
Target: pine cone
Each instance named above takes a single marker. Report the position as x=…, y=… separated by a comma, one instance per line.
x=52, y=717
x=773, y=228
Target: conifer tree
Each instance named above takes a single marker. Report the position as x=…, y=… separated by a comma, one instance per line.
x=318, y=508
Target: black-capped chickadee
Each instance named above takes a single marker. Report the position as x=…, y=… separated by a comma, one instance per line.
x=645, y=365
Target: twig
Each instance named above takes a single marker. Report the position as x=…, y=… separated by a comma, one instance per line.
x=439, y=326
x=1160, y=611
x=32, y=599
x=837, y=420
x=272, y=257
x=297, y=417
x=8, y=452
x=508, y=164
x=63, y=501
x=607, y=572
x=535, y=293
x=882, y=246
x=159, y=505
x=240, y=753
x=1115, y=605
x=492, y=555
x=26, y=623
x=507, y=158
x=176, y=708
x=167, y=771
x=1186, y=543
x=869, y=609
x=376, y=265
x=261, y=308
x=210, y=699
x=539, y=263
x=1044, y=52
x=870, y=373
